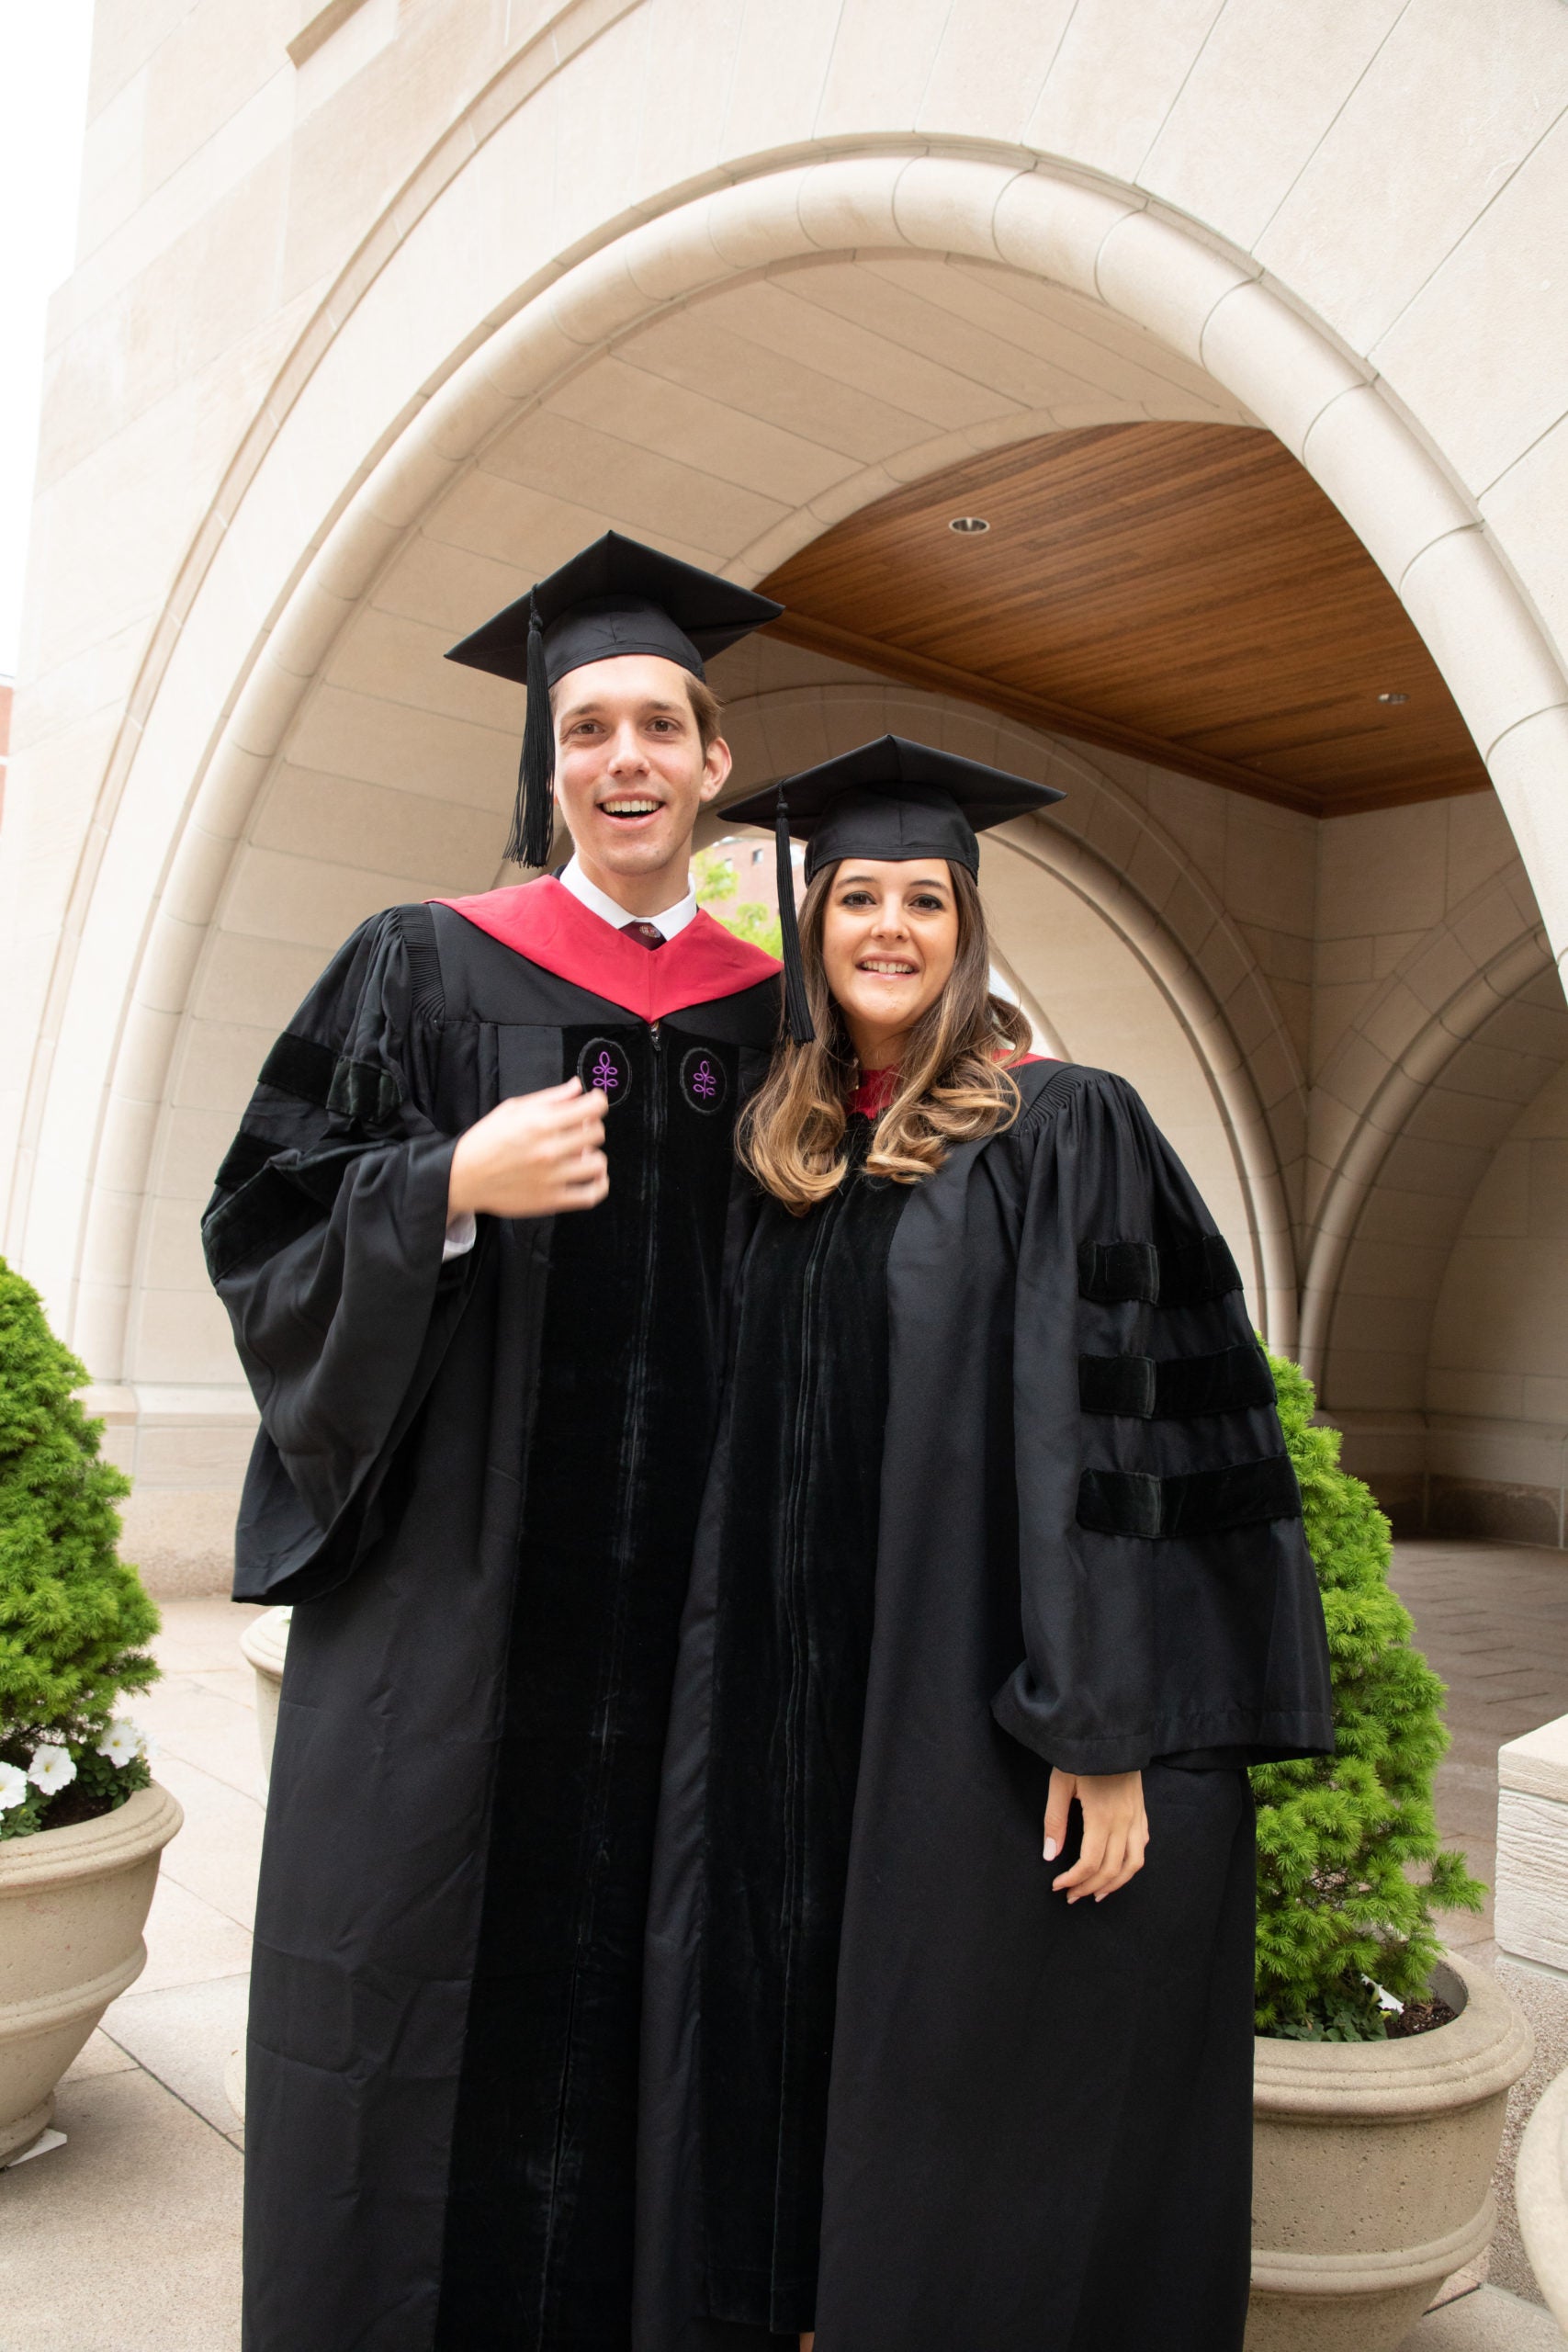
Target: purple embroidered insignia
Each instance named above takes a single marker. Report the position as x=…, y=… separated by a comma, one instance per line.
x=605, y=1064
x=703, y=1079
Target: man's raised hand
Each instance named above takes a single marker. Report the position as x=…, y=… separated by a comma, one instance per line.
x=534, y=1154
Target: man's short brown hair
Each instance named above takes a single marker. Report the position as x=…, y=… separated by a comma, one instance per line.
x=705, y=709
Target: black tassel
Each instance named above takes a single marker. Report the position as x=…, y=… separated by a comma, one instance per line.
x=534, y=810
x=797, y=1008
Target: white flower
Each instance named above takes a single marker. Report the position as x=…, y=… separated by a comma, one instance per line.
x=51, y=1769
x=13, y=1787
x=122, y=1743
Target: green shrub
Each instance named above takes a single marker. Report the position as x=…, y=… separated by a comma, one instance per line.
x=1350, y=1869
x=74, y=1620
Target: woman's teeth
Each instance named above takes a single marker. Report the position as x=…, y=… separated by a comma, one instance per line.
x=889, y=971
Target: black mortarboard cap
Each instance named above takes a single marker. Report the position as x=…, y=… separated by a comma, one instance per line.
x=890, y=800
x=616, y=596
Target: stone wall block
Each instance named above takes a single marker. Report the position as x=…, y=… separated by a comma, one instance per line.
x=1396, y=500
x=1490, y=651
x=947, y=206
x=1532, y=1845
x=96, y=1324
x=1056, y=228
x=758, y=222
x=528, y=352
x=1170, y=284
x=674, y=254
x=463, y=415
x=314, y=619
x=114, y=1220
x=146, y=1051
x=775, y=545
x=1276, y=364
x=842, y=498
x=190, y=895
x=125, y=1150
x=229, y=790
x=265, y=708
x=346, y=563
x=1530, y=768
x=169, y=961
x=596, y=299
x=407, y=482
x=849, y=203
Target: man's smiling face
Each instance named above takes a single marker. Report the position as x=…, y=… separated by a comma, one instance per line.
x=631, y=771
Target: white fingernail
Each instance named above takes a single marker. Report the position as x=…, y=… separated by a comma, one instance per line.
x=1051, y=1849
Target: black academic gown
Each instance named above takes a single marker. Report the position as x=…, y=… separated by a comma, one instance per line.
x=1089, y=1553
x=478, y=1482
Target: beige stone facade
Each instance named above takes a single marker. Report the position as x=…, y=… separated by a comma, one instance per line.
x=381, y=310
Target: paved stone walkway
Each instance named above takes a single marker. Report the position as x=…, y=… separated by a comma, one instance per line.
x=127, y=2239
x=1492, y=1621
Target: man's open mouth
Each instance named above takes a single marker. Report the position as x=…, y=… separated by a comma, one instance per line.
x=630, y=806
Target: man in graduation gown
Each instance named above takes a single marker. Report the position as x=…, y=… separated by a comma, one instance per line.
x=484, y=1429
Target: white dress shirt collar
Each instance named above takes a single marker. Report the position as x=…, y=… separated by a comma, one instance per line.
x=598, y=903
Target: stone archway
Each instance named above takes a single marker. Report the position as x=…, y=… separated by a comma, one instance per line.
x=267, y=624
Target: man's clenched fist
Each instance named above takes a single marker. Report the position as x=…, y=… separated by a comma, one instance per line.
x=534, y=1154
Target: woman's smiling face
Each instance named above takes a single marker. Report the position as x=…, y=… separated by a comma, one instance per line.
x=889, y=938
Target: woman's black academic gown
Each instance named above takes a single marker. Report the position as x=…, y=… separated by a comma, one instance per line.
x=478, y=1483
x=1000, y=1485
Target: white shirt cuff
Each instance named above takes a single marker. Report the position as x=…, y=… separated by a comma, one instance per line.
x=462, y=1232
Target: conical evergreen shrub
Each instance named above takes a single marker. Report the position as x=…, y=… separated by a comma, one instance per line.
x=74, y=1620
x=1349, y=1868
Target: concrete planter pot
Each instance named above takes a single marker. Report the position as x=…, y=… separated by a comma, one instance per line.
x=1541, y=2188
x=264, y=1642
x=1373, y=2168
x=72, y=1905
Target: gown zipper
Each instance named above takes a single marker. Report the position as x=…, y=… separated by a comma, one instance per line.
x=794, y=1840
x=617, y=1632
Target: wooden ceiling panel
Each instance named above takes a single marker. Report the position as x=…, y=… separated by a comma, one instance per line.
x=1184, y=592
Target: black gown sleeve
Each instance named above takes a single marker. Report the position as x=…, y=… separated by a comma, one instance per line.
x=1169, y=1605
x=324, y=1239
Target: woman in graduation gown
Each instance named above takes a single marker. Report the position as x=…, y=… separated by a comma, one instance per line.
x=1001, y=1585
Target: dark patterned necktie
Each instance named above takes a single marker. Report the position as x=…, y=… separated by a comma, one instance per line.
x=647, y=935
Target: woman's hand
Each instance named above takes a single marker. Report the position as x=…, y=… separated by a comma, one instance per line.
x=534, y=1154
x=1115, y=1831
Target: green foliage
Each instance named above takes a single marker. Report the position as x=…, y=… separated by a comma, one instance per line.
x=750, y=920
x=1350, y=1869
x=74, y=1620
x=714, y=876
x=757, y=924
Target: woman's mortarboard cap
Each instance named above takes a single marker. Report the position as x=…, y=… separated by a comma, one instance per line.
x=891, y=799
x=616, y=596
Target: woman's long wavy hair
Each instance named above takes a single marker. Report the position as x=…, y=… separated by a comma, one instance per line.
x=953, y=1082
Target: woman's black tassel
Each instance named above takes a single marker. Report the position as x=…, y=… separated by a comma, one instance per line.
x=797, y=1008
x=534, y=811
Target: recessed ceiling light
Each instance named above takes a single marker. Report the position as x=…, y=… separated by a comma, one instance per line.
x=969, y=525
x=1393, y=698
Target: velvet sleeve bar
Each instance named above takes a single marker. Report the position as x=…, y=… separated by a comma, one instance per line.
x=1168, y=1604
x=325, y=1240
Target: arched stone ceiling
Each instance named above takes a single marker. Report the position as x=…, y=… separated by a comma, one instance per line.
x=1184, y=592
